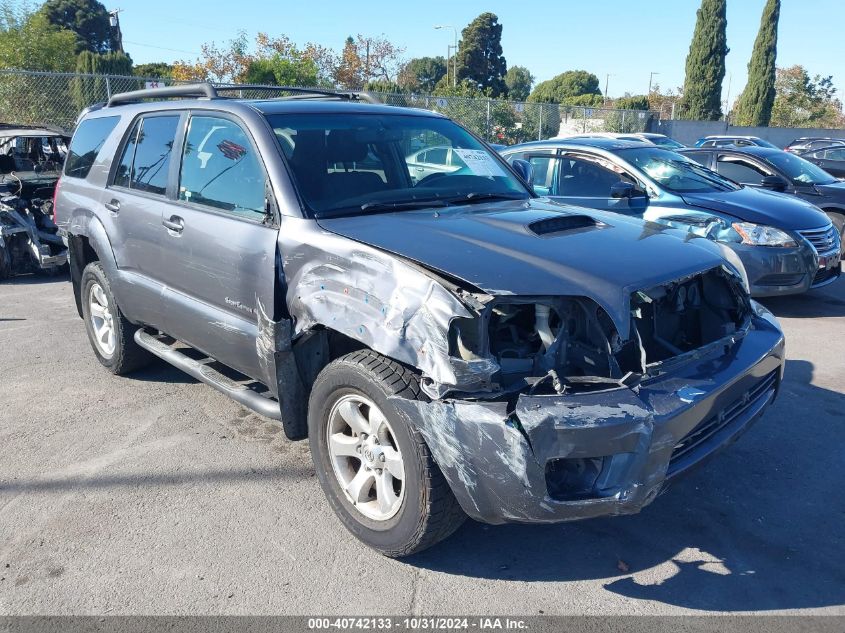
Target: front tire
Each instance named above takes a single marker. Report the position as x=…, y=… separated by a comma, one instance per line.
x=374, y=468
x=110, y=333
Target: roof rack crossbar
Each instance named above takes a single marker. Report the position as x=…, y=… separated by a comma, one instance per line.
x=188, y=90
x=304, y=93
x=209, y=91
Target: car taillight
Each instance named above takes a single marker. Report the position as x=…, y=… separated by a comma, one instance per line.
x=55, y=197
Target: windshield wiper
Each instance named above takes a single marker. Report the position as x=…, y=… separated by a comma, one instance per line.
x=404, y=206
x=478, y=196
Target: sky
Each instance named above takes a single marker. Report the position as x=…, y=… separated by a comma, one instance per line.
x=626, y=39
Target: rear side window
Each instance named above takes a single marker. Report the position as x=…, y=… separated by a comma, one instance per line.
x=86, y=144
x=145, y=162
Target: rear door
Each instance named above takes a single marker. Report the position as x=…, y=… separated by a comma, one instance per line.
x=134, y=203
x=220, y=244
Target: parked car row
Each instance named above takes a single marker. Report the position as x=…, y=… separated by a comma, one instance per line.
x=785, y=244
x=451, y=338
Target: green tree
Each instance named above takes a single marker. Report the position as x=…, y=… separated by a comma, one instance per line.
x=282, y=71
x=421, y=74
x=802, y=101
x=519, y=81
x=91, y=85
x=160, y=70
x=30, y=42
x=480, y=58
x=705, y=67
x=572, y=83
x=89, y=19
x=632, y=102
x=755, y=103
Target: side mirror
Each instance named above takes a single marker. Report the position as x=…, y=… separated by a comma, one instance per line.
x=525, y=170
x=774, y=183
x=625, y=189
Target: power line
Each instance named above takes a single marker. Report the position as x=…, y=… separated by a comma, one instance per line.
x=162, y=48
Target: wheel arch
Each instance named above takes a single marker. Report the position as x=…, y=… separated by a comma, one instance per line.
x=87, y=242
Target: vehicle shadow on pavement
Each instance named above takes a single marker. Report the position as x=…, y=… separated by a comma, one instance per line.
x=758, y=527
x=824, y=302
x=31, y=279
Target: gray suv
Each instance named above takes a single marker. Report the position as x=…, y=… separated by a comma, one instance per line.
x=450, y=345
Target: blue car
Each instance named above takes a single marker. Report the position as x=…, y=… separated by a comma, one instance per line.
x=785, y=244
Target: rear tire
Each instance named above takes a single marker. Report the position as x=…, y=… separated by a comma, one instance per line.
x=410, y=512
x=109, y=332
x=5, y=263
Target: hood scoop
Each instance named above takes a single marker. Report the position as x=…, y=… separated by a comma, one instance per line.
x=564, y=224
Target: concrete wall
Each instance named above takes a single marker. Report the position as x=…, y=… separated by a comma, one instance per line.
x=688, y=132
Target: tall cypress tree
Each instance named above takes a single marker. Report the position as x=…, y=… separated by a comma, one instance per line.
x=755, y=102
x=480, y=56
x=705, y=69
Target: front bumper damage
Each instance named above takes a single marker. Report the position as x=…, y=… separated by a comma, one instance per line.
x=557, y=458
x=776, y=271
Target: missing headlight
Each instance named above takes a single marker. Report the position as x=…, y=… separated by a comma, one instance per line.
x=553, y=344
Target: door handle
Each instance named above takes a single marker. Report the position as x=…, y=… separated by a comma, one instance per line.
x=175, y=224
x=113, y=206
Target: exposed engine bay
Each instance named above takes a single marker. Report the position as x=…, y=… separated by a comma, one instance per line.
x=557, y=345
x=29, y=240
x=30, y=163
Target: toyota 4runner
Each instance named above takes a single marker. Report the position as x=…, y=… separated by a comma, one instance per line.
x=449, y=343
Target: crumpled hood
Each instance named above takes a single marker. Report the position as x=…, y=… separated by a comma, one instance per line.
x=761, y=206
x=492, y=247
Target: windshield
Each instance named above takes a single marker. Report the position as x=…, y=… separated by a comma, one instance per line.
x=800, y=171
x=676, y=173
x=759, y=142
x=666, y=142
x=353, y=164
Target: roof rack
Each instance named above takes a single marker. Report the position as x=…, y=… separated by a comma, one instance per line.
x=305, y=93
x=188, y=90
x=209, y=91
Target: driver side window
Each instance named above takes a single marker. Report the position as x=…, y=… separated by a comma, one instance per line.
x=585, y=179
x=739, y=170
x=220, y=168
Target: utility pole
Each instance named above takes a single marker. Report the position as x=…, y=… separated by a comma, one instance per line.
x=367, y=66
x=650, y=77
x=606, y=82
x=114, y=22
x=455, y=65
x=728, y=97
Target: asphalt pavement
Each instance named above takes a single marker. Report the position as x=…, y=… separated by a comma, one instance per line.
x=155, y=494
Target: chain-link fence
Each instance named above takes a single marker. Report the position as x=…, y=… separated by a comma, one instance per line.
x=40, y=98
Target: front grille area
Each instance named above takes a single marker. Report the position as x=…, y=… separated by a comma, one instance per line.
x=780, y=279
x=824, y=240
x=723, y=418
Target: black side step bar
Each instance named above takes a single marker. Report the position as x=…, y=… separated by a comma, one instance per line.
x=202, y=371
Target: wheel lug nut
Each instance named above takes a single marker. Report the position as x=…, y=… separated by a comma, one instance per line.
x=381, y=458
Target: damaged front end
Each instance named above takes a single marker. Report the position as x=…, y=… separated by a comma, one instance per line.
x=29, y=240
x=570, y=420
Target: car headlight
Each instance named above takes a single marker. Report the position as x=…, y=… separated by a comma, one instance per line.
x=761, y=235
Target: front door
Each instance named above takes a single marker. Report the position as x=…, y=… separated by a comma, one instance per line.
x=221, y=247
x=584, y=182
